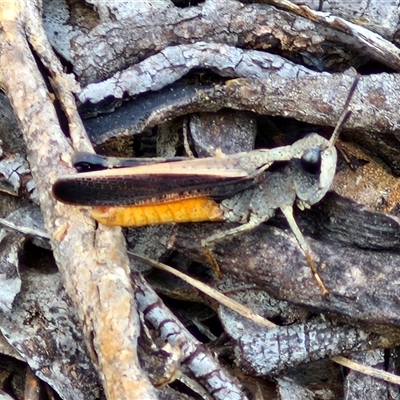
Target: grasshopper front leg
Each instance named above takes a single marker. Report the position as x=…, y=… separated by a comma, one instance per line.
x=207, y=243
x=254, y=221
x=288, y=212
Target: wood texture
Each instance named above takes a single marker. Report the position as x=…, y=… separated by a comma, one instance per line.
x=98, y=284
x=275, y=65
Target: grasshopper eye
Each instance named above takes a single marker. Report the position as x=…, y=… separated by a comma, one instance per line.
x=311, y=160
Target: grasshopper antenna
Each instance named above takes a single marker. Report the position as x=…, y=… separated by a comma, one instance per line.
x=345, y=114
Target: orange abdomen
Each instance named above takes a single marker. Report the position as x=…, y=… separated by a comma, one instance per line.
x=185, y=210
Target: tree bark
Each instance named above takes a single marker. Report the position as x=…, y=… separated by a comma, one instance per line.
x=98, y=285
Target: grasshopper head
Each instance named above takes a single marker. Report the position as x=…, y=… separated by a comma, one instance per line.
x=313, y=168
x=314, y=160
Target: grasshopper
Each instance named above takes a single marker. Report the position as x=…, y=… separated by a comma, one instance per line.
x=236, y=188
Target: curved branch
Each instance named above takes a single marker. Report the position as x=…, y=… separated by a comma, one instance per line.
x=173, y=63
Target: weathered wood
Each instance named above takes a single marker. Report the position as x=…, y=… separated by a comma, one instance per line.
x=376, y=15
x=96, y=279
x=158, y=44
x=174, y=62
x=356, y=250
x=361, y=386
x=374, y=120
x=266, y=27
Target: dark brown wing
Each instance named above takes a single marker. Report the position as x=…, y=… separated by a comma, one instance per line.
x=93, y=189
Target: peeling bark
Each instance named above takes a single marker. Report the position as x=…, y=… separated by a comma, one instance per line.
x=116, y=46
x=97, y=281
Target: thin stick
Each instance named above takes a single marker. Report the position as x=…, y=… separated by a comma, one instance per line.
x=222, y=299
x=366, y=370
